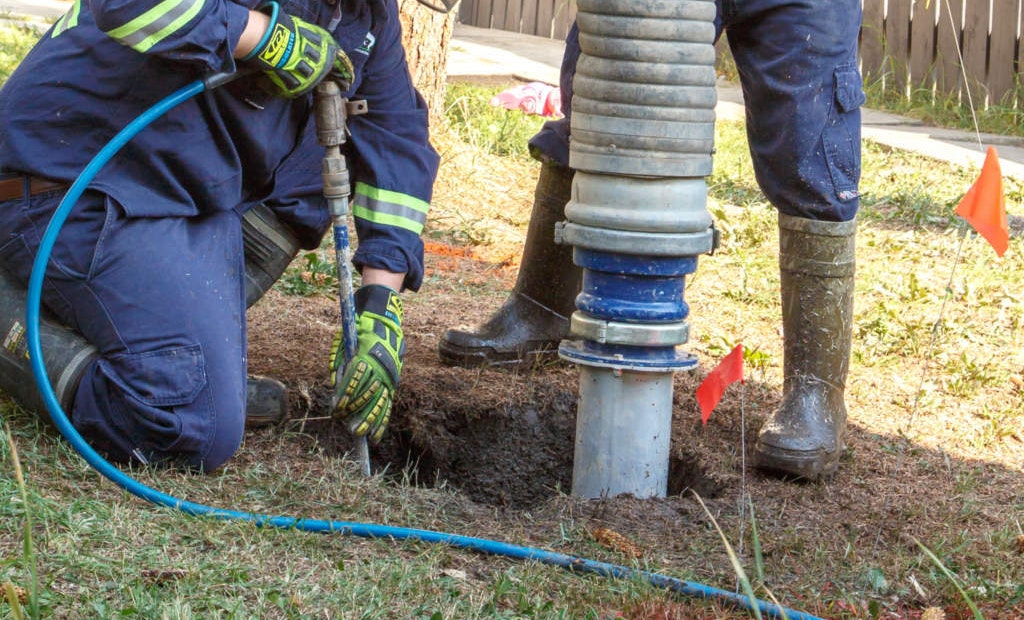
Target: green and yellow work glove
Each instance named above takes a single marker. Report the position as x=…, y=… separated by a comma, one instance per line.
x=365, y=387
x=296, y=55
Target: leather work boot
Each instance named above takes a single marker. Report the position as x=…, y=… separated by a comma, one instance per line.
x=535, y=317
x=266, y=401
x=805, y=436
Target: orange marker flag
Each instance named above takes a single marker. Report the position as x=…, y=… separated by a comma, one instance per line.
x=728, y=371
x=984, y=205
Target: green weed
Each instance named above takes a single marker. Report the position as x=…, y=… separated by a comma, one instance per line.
x=737, y=566
x=757, y=550
x=459, y=228
x=310, y=274
x=492, y=129
x=952, y=579
x=29, y=564
x=755, y=358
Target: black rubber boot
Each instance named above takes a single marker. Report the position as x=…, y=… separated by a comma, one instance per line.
x=270, y=247
x=804, y=438
x=535, y=317
x=266, y=402
x=66, y=354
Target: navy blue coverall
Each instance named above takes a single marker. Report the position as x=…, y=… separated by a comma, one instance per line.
x=149, y=266
x=797, y=62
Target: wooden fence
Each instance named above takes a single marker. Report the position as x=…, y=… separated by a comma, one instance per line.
x=905, y=43
x=545, y=18
x=920, y=43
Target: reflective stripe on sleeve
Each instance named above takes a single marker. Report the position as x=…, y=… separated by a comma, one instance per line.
x=389, y=208
x=156, y=24
x=67, y=21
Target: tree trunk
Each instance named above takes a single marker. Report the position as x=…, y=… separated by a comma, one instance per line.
x=425, y=36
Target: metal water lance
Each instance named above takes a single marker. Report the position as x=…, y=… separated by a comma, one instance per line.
x=643, y=114
x=331, y=112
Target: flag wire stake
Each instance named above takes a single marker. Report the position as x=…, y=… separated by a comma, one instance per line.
x=743, y=471
x=903, y=432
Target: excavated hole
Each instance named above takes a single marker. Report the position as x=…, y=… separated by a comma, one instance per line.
x=501, y=438
x=514, y=456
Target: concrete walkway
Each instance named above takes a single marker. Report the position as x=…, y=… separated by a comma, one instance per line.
x=483, y=52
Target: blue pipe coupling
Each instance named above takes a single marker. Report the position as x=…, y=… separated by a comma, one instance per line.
x=636, y=241
x=631, y=312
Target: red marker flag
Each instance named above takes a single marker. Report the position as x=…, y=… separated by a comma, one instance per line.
x=984, y=205
x=728, y=371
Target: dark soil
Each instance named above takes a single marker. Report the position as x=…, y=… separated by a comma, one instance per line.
x=501, y=437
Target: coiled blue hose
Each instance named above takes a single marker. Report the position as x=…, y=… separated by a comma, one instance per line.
x=365, y=530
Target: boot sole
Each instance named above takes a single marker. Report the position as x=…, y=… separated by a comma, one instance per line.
x=799, y=464
x=259, y=421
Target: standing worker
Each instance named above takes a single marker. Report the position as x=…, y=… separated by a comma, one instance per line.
x=149, y=267
x=797, y=62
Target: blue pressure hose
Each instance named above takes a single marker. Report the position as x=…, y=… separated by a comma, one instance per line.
x=493, y=547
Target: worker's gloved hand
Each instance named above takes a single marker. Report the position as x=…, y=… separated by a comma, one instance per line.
x=296, y=55
x=365, y=387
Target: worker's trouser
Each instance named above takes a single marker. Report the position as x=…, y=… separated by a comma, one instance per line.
x=797, y=62
x=163, y=300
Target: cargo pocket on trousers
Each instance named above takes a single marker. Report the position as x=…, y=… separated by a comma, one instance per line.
x=841, y=138
x=155, y=384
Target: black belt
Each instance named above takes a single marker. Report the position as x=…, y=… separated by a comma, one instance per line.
x=12, y=185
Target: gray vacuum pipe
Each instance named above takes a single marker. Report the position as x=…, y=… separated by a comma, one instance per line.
x=642, y=137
